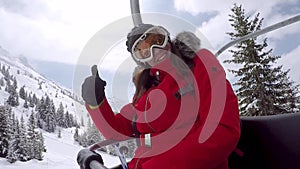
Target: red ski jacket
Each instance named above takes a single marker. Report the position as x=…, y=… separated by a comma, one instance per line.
x=185, y=122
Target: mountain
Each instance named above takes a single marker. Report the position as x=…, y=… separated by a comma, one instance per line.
x=61, y=152
x=59, y=72
x=37, y=84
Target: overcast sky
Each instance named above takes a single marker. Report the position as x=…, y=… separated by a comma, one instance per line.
x=58, y=30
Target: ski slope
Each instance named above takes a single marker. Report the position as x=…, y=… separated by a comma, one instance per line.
x=61, y=154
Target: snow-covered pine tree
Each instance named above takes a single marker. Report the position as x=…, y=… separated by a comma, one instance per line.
x=2, y=81
x=76, y=134
x=5, y=73
x=14, y=143
x=35, y=140
x=82, y=121
x=31, y=136
x=13, y=99
x=264, y=89
x=41, y=112
x=42, y=143
x=60, y=116
x=39, y=147
x=30, y=100
x=23, y=146
x=25, y=105
x=35, y=99
x=71, y=121
x=4, y=130
x=22, y=93
x=59, y=133
x=90, y=136
x=50, y=115
x=67, y=119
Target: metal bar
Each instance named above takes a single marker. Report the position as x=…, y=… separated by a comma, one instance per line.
x=135, y=12
x=96, y=165
x=260, y=32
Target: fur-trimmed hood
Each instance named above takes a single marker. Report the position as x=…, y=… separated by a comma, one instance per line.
x=187, y=43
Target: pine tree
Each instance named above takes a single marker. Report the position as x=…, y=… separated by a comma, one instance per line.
x=31, y=101
x=2, y=81
x=25, y=105
x=4, y=130
x=67, y=119
x=42, y=143
x=41, y=113
x=264, y=88
x=90, y=136
x=22, y=93
x=76, y=135
x=59, y=133
x=35, y=99
x=71, y=121
x=13, y=99
x=60, y=116
x=39, y=147
x=23, y=153
x=50, y=120
x=14, y=144
x=82, y=121
x=31, y=136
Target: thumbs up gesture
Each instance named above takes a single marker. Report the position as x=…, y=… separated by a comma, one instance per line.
x=92, y=89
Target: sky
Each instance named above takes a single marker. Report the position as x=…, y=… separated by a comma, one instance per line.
x=59, y=30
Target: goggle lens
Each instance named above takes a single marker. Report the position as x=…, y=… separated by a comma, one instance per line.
x=154, y=37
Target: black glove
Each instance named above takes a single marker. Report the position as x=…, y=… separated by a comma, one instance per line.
x=86, y=156
x=92, y=89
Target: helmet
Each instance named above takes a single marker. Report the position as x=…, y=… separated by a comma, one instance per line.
x=135, y=33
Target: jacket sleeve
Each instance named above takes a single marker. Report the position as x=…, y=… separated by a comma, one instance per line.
x=113, y=126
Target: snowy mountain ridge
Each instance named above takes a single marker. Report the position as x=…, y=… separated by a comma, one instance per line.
x=61, y=152
x=34, y=82
x=61, y=147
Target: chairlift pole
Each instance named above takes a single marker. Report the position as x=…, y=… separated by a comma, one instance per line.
x=135, y=12
x=260, y=32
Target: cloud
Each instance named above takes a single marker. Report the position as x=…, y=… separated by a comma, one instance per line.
x=28, y=8
x=215, y=30
x=216, y=27
x=291, y=61
x=55, y=30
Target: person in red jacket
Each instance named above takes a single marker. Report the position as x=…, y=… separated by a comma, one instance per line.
x=184, y=112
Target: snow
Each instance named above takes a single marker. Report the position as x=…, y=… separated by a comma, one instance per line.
x=61, y=152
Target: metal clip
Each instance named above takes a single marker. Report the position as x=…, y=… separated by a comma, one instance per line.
x=148, y=140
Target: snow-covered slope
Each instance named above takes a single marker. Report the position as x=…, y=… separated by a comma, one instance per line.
x=39, y=85
x=61, y=152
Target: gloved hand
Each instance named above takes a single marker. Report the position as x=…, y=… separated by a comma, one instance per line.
x=92, y=89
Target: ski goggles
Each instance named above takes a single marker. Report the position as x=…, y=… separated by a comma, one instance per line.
x=154, y=37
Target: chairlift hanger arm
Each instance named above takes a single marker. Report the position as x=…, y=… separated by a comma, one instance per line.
x=135, y=12
x=260, y=32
